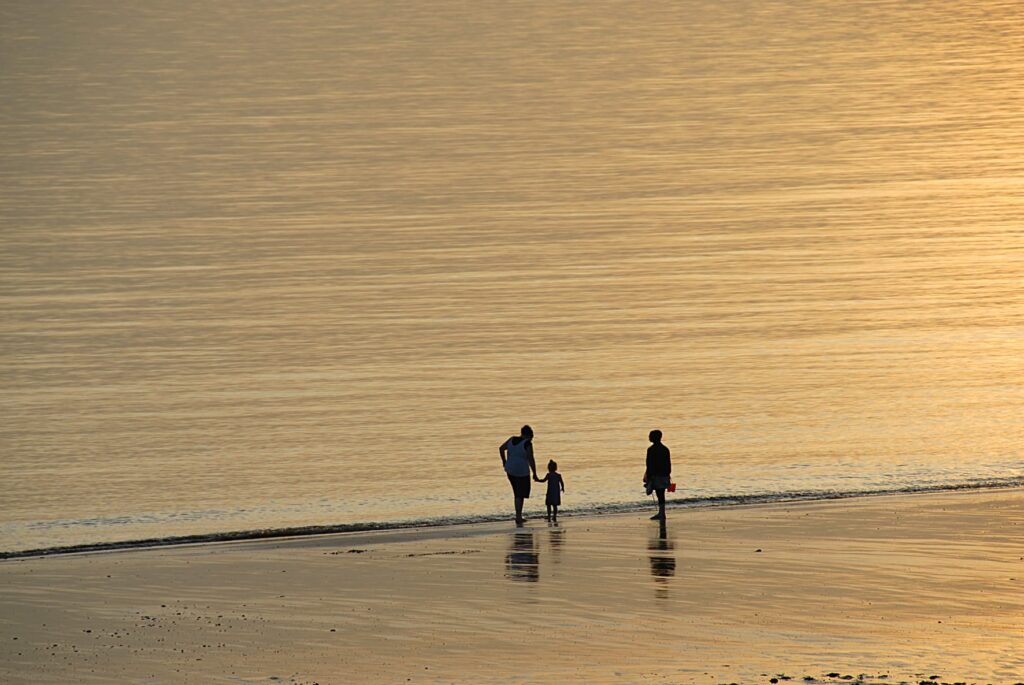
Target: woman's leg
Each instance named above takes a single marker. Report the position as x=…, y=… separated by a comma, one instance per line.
x=519, y=509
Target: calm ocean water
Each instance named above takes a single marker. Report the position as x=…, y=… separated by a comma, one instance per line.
x=269, y=265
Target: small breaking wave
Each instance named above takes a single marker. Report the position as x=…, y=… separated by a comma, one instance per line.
x=595, y=509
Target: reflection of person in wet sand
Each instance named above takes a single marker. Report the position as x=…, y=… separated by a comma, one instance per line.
x=663, y=562
x=556, y=536
x=522, y=561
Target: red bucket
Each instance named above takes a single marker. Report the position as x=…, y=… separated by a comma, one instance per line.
x=671, y=487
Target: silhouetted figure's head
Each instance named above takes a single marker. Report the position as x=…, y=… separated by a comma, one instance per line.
x=526, y=432
x=655, y=436
x=552, y=466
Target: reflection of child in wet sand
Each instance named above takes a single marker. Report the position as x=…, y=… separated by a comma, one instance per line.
x=556, y=486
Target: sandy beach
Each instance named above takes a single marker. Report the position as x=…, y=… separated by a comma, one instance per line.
x=884, y=589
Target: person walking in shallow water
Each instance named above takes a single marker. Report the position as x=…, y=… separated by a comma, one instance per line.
x=556, y=486
x=658, y=475
x=517, y=459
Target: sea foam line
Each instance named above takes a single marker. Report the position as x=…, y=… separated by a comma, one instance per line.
x=689, y=503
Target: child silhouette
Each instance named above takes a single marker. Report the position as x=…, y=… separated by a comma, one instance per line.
x=556, y=486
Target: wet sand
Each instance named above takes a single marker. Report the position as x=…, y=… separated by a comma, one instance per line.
x=888, y=588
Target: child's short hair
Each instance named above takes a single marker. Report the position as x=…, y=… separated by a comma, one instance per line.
x=552, y=465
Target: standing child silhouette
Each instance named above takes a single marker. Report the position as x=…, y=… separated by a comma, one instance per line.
x=556, y=486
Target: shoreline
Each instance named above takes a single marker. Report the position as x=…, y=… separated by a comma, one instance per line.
x=444, y=522
x=894, y=588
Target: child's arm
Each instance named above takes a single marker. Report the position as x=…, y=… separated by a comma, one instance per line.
x=541, y=480
x=561, y=481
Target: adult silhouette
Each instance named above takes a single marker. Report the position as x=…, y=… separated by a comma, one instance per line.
x=517, y=459
x=658, y=475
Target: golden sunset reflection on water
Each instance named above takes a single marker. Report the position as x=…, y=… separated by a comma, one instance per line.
x=267, y=266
